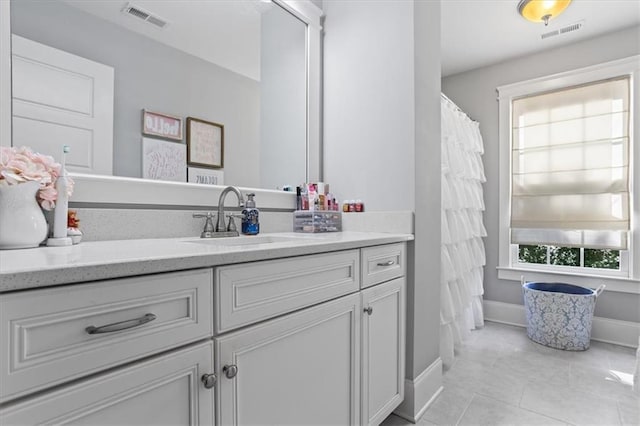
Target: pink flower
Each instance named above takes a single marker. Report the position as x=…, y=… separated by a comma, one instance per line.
x=21, y=164
x=47, y=196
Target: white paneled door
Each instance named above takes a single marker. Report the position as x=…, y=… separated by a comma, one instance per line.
x=63, y=99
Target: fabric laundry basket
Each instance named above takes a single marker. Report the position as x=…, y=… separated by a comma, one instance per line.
x=560, y=315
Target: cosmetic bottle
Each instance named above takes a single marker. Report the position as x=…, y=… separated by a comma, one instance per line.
x=250, y=217
x=313, y=199
x=298, y=198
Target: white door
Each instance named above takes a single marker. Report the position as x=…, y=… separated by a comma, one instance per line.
x=383, y=350
x=63, y=99
x=300, y=369
x=166, y=390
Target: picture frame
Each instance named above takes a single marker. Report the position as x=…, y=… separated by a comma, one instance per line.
x=205, y=176
x=161, y=125
x=205, y=143
x=164, y=160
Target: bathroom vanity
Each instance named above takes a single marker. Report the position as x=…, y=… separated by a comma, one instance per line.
x=278, y=329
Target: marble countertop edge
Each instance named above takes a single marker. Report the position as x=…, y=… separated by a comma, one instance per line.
x=99, y=260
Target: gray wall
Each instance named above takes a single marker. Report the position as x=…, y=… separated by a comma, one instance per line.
x=317, y=3
x=424, y=321
x=382, y=136
x=368, y=138
x=283, y=101
x=154, y=76
x=475, y=92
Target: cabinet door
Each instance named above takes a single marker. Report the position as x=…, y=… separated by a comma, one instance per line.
x=303, y=368
x=382, y=350
x=166, y=390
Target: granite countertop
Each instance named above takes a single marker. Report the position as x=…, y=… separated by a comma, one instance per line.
x=90, y=261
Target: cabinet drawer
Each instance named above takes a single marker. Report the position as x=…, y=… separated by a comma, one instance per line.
x=58, y=334
x=165, y=390
x=248, y=293
x=383, y=263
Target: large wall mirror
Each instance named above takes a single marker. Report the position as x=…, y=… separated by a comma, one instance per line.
x=251, y=66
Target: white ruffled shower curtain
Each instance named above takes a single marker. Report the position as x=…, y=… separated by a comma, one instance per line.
x=463, y=254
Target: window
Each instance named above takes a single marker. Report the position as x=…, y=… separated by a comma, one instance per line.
x=578, y=257
x=566, y=177
x=570, y=173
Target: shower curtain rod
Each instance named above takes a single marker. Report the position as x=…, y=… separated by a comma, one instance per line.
x=446, y=98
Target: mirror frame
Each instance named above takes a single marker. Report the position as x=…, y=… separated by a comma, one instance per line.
x=100, y=190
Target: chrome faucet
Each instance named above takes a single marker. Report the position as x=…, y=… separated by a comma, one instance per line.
x=221, y=226
x=221, y=229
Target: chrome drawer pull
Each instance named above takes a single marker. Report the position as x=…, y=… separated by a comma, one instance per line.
x=387, y=263
x=122, y=325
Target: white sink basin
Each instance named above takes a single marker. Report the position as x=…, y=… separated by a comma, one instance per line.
x=251, y=240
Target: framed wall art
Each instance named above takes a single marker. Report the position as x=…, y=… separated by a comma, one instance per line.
x=205, y=176
x=205, y=143
x=161, y=125
x=164, y=160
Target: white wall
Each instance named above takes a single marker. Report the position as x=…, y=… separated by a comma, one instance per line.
x=382, y=144
x=475, y=92
x=368, y=102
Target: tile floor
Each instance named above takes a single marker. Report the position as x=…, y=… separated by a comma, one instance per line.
x=500, y=377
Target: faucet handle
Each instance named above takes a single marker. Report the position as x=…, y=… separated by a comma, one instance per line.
x=209, y=214
x=208, y=224
x=232, y=224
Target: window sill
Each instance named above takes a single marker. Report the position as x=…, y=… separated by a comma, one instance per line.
x=617, y=284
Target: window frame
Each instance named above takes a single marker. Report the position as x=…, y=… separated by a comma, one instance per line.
x=508, y=266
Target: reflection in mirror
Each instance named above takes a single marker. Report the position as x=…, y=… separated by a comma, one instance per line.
x=238, y=63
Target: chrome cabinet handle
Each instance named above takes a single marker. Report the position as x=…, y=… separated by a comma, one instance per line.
x=387, y=263
x=368, y=310
x=209, y=380
x=122, y=325
x=230, y=371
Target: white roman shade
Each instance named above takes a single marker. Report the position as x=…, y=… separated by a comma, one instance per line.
x=570, y=166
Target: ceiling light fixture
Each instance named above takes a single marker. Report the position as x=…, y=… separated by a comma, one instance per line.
x=541, y=10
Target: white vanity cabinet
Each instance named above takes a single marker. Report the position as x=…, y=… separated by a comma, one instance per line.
x=292, y=340
x=303, y=368
x=52, y=336
x=383, y=338
x=165, y=390
x=340, y=362
x=383, y=330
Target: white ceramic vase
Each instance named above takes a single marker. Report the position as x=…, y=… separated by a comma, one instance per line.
x=22, y=223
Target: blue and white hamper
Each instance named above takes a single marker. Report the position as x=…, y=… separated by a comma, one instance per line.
x=559, y=315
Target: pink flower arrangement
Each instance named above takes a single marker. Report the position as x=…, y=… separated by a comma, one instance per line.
x=19, y=165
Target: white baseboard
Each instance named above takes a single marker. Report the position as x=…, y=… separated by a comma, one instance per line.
x=623, y=333
x=420, y=392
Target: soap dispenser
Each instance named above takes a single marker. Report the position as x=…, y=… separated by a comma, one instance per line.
x=250, y=217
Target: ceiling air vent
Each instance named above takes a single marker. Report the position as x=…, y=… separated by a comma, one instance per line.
x=564, y=30
x=138, y=12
